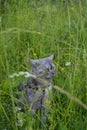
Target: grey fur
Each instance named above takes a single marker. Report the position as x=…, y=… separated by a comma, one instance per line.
x=38, y=67
x=35, y=92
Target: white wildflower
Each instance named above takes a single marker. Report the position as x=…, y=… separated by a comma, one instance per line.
x=26, y=73
x=67, y=63
x=11, y=76
x=21, y=73
x=29, y=75
x=17, y=109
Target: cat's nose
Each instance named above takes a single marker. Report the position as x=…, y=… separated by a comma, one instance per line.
x=53, y=73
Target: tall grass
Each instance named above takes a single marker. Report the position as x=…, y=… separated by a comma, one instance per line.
x=36, y=29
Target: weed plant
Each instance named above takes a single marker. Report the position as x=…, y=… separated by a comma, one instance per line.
x=37, y=29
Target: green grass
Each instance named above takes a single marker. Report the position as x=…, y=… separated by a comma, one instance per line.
x=36, y=30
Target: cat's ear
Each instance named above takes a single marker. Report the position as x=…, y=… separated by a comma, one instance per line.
x=51, y=57
x=34, y=62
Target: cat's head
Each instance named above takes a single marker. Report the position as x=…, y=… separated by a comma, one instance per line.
x=43, y=68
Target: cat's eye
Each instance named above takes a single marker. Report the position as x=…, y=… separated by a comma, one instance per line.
x=47, y=69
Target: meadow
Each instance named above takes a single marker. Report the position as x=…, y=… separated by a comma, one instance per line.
x=37, y=29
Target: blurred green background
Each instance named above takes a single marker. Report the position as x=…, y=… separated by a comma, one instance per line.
x=37, y=29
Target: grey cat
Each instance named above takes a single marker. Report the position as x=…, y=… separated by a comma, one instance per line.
x=35, y=92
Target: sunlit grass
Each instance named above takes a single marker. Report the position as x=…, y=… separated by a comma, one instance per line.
x=36, y=30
